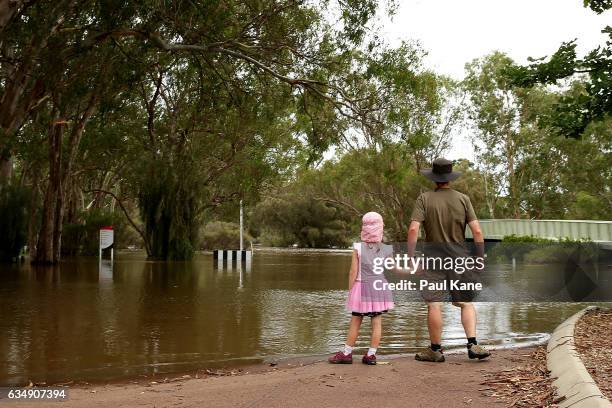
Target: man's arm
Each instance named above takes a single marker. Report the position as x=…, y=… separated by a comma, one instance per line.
x=478, y=237
x=413, y=236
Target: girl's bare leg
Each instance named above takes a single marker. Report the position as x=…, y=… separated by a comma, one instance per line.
x=354, y=330
x=376, y=331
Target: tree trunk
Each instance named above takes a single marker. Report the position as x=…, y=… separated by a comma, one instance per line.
x=8, y=8
x=489, y=198
x=32, y=224
x=6, y=168
x=45, y=250
x=66, y=172
x=22, y=92
x=59, y=219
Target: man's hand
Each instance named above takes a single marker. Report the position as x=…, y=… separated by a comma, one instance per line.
x=478, y=237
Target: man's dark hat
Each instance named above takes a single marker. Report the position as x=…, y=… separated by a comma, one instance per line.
x=442, y=171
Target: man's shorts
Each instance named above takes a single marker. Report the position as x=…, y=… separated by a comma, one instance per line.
x=444, y=290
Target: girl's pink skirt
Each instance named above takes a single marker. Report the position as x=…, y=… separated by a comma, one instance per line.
x=363, y=299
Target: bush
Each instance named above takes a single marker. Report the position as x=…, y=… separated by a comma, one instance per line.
x=525, y=238
x=222, y=235
x=84, y=238
x=275, y=238
x=302, y=220
x=532, y=249
x=13, y=221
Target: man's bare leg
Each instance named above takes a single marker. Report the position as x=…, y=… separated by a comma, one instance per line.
x=468, y=318
x=434, y=322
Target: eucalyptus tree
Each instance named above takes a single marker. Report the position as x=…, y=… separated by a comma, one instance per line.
x=504, y=129
x=408, y=116
x=208, y=140
x=531, y=169
x=323, y=206
x=575, y=111
x=61, y=60
x=416, y=107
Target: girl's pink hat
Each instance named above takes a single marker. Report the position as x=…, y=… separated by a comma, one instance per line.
x=372, y=227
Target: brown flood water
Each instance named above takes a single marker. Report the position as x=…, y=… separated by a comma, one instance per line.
x=81, y=321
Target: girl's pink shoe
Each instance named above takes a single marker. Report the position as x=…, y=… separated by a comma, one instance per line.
x=341, y=358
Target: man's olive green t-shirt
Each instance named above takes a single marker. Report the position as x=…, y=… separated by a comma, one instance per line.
x=444, y=214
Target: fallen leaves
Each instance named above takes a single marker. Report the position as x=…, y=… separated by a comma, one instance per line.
x=526, y=385
x=593, y=341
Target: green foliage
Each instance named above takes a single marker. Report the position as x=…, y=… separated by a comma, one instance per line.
x=83, y=238
x=561, y=251
x=538, y=240
x=359, y=181
x=531, y=170
x=369, y=179
x=223, y=235
x=531, y=249
x=14, y=203
x=549, y=254
x=525, y=238
x=501, y=113
x=301, y=220
x=598, y=6
x=170, y=228
x=232, y=94
x=590, y=207
x=573, y=112
x=197, y=105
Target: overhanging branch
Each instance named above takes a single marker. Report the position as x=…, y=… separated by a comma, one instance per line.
x=127, y=216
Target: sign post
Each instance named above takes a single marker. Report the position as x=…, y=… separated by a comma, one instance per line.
x=107, y=239
x=241, y=227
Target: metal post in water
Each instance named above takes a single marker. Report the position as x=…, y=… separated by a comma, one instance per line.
x=241, y=226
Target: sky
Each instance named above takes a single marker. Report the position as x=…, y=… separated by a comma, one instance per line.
x=455, y=32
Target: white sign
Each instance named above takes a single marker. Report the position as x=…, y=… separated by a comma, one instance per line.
x=107, y=237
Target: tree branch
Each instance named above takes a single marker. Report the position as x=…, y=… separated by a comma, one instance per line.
x=127, y=216
x=343, y=203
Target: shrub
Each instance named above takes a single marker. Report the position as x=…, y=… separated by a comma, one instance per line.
x=532, y=249
x=222, y=235
x=13, y=221
x=302, y=220
x=84, y=238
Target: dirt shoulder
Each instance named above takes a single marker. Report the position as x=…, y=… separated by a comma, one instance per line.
x=526, y=384
x=402, y=382
x=593, y=340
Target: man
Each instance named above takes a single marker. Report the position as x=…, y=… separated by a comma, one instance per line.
x=444, y=214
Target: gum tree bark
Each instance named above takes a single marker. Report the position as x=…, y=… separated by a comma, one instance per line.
x=49, y=245
x=24, y=89
x=66, y=174
x=45, y=251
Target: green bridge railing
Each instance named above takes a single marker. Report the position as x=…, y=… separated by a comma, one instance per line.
x=598, y=231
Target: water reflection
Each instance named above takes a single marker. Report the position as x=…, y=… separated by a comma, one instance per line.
x=88, y=321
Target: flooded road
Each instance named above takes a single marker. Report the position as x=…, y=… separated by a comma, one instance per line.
x=82, y=322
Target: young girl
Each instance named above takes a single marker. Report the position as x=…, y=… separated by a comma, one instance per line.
x=366, y=297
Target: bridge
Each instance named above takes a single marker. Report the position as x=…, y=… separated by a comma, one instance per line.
x=596, y=231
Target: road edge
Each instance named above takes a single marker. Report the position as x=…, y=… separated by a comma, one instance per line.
x=572, y=380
